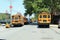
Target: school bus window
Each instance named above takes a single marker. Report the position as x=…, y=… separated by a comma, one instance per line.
x=48, y=16
x=16, y=18
x=40, y=16
x=44, y=20
x=19, y=17
x=44, y=16
x=12, y=17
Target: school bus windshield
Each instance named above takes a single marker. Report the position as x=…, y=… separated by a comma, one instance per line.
x=44, y=16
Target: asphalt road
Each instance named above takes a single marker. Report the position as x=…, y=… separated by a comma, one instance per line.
x=29, y=32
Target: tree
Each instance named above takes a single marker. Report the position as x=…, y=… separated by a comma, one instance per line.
x=36, y=6
x=53, y=5
x=28, y=7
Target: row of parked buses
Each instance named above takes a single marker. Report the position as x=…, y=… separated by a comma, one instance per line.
x=17, y=20
x=44, y=19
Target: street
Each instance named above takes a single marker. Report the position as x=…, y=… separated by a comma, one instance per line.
x=29, y=32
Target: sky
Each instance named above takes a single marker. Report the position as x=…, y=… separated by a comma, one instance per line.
x=17, y=6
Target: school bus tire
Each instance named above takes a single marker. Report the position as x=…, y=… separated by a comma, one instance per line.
x=43, y=26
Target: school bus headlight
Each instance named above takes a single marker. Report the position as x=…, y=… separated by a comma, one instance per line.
x=49, y=20
x=39, y=20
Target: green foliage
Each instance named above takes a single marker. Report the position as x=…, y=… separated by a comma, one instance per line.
x=4, y=16
x=36, y=6
x=44, y=10
x=58, y=6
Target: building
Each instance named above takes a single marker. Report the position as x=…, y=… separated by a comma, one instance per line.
x=5, y=17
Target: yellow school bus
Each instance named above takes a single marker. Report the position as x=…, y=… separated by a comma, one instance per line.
x=44, y=19
x=25, y=20
x=17, y=20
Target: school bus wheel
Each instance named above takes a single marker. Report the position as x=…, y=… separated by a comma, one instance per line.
x=43, y=25
x=39, y=26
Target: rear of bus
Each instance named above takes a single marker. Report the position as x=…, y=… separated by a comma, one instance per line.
x=44, y=19
x=17, y=20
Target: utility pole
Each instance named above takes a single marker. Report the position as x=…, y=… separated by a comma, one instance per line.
x=10, y=9
x=10, y=6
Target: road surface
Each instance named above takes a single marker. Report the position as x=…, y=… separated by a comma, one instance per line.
x=29, y=32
